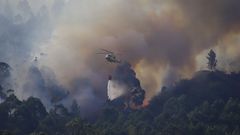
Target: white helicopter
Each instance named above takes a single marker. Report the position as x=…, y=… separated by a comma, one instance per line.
x=110, y=56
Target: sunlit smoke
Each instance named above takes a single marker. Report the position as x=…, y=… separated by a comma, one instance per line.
x=164, y=41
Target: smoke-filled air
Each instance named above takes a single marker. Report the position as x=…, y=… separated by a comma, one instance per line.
x=55, y=48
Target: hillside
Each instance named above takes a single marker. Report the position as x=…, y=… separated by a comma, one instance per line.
x=207, y=104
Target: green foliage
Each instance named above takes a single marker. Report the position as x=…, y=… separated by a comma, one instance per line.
x=38, y=133
x=75, y=109
x=208, y=104
x=79, y=127
x=21, y=117
x=5, y=132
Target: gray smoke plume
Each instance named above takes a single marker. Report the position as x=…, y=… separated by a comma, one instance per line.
x=43, y=84
x=89, y=101
x=163, y=40
x=22, y=31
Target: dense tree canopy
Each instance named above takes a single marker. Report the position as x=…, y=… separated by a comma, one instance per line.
x=207, y=104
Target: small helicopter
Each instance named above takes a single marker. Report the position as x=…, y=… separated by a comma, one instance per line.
x=110, y=56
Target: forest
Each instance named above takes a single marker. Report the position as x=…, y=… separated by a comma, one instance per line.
x=206, y=104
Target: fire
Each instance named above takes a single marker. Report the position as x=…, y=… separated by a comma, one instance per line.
x=145, y=103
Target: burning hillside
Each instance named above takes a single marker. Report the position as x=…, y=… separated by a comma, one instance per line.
x=123, y=85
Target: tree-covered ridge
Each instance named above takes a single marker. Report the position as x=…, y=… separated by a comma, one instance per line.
x=207, y=104
x=21, y=117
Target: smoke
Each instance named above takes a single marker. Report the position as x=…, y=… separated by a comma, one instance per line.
x=82, y=90
x=41, y=83
x=219, y=21
x=123, y=81
x=163, y=40
x=151, y=35
x=24, y=27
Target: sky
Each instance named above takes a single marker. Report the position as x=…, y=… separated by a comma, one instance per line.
x=163, y=40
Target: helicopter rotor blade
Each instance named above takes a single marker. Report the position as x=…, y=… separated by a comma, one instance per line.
x=101, y=53
x=106, y=50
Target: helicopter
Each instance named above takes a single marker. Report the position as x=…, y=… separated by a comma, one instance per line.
x=110, y=56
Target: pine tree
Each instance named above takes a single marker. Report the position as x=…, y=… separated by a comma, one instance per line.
x=75, y=108
x=212, y=62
